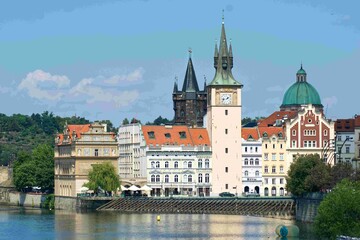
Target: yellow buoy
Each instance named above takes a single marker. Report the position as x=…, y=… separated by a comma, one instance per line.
x=158, y=218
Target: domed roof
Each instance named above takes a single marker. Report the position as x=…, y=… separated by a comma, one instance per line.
x=301, y=93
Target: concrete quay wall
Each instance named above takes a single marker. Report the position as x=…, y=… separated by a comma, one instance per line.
x=307, y=206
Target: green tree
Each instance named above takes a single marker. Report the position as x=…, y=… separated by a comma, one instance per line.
x=305, y=174
x=125, y=121
x=36, y=169
x=339, y=212
x=340, y=171
x=103, y=176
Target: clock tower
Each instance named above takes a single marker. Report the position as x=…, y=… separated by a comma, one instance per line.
x=224, y=121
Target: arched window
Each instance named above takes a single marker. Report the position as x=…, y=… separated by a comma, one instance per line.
x=207, y=178
x=189, y=164
x=152, y=178
x=207, y=165
x=251, y=161
x=257, y=162
x=166, y=164
x=176, y=178
x=273, y=191
x=273, y=169
x=152, y=164
x=157, y=164
x=257, y=173
x=200, y=163
x=185, y=179
x=281, y=169
x=266, y=169
x=282, y=191
x=157, y=178
x=185, y=164
x=246, y=161
x=190, y=178
x=200, y=178
x=166, y=178
x=246, y=173
x=266, y=191
x=176, y=164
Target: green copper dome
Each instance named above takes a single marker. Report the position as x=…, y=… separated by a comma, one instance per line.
x=301, y=93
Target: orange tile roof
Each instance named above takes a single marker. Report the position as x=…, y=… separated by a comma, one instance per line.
x=357, y=120
x=79, y=129
x=246, y=132
x=344, y=125
x=170, y=135
x=271, y=131
x=271, y=120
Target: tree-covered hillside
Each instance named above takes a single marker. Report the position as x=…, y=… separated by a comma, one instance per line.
x=23, y=133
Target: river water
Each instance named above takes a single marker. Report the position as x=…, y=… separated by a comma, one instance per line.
x=20, y=223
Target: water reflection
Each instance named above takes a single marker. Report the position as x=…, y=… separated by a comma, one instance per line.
x=36, y=224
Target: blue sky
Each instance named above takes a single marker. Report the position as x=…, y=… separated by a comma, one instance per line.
x=109, y=59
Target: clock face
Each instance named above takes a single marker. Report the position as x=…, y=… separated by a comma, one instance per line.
x=226, y=98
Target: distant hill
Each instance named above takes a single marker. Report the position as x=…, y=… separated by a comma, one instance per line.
x=21, y=132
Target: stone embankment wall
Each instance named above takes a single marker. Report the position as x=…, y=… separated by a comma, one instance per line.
x=10, y=197
x=73, y=203
x=307, y=206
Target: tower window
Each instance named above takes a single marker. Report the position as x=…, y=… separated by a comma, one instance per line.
x=226, y=112
x=226, y=169
x=226, y=131
x=226, y=150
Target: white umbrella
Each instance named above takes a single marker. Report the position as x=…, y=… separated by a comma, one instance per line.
x=123, y=188
x=145, y=188
x=84, y=189
x=133, y=188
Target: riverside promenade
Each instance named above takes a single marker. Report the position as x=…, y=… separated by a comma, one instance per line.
x=271, y=207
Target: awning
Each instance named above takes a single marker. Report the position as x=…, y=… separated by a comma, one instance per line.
x=134, y=188
x=84, y=189
x=123, y=188
x=145, y=188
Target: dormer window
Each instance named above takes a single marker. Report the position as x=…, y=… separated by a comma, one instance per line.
x=151, y=135
x=167, y=135
x=280, y=135
x=265, y=134
x=182, y=134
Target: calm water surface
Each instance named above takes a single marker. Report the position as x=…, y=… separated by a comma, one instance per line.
x=39, y=224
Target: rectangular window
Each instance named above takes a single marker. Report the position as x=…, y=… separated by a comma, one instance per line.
x=266, y=180
x=226, y=112
x=313, y=143
x=273, y=181
x=281, y=181
x=281, y=146
x=226, y=169
x=273, y=146
x=226, y=150
x=96, y=152
x=273, y=156
x=281, y=156
x=226, y=186
x=266, y=156
x=226, y=131
x=293, y=144
x=347, y=149
x=305, y=144
x=266, y=146
x=339, y=138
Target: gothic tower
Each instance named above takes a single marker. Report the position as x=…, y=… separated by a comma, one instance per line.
x=224, y=121
x=190, y=102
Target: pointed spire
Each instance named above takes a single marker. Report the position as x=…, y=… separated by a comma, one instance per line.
x=216, y=54
x=190, y=82
x=175, y=84
x=204, y=83
x=223, y=16
x=230, y=50
x=224, y=62
x=301, y=74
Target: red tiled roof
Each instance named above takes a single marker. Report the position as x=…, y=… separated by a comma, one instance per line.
x=170, y=135
x=247, y=132
x=345, y=125
x=79, y=129
x=271, y=131
x=357, y=121
x=278, y=115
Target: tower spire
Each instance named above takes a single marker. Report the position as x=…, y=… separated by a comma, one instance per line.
x=190, y=82
x=175, y=84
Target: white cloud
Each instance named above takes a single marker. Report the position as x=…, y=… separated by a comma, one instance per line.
x=274, y=89
x=329, y=101
x=34, y=79
x=95, y=94
x=134, y=76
